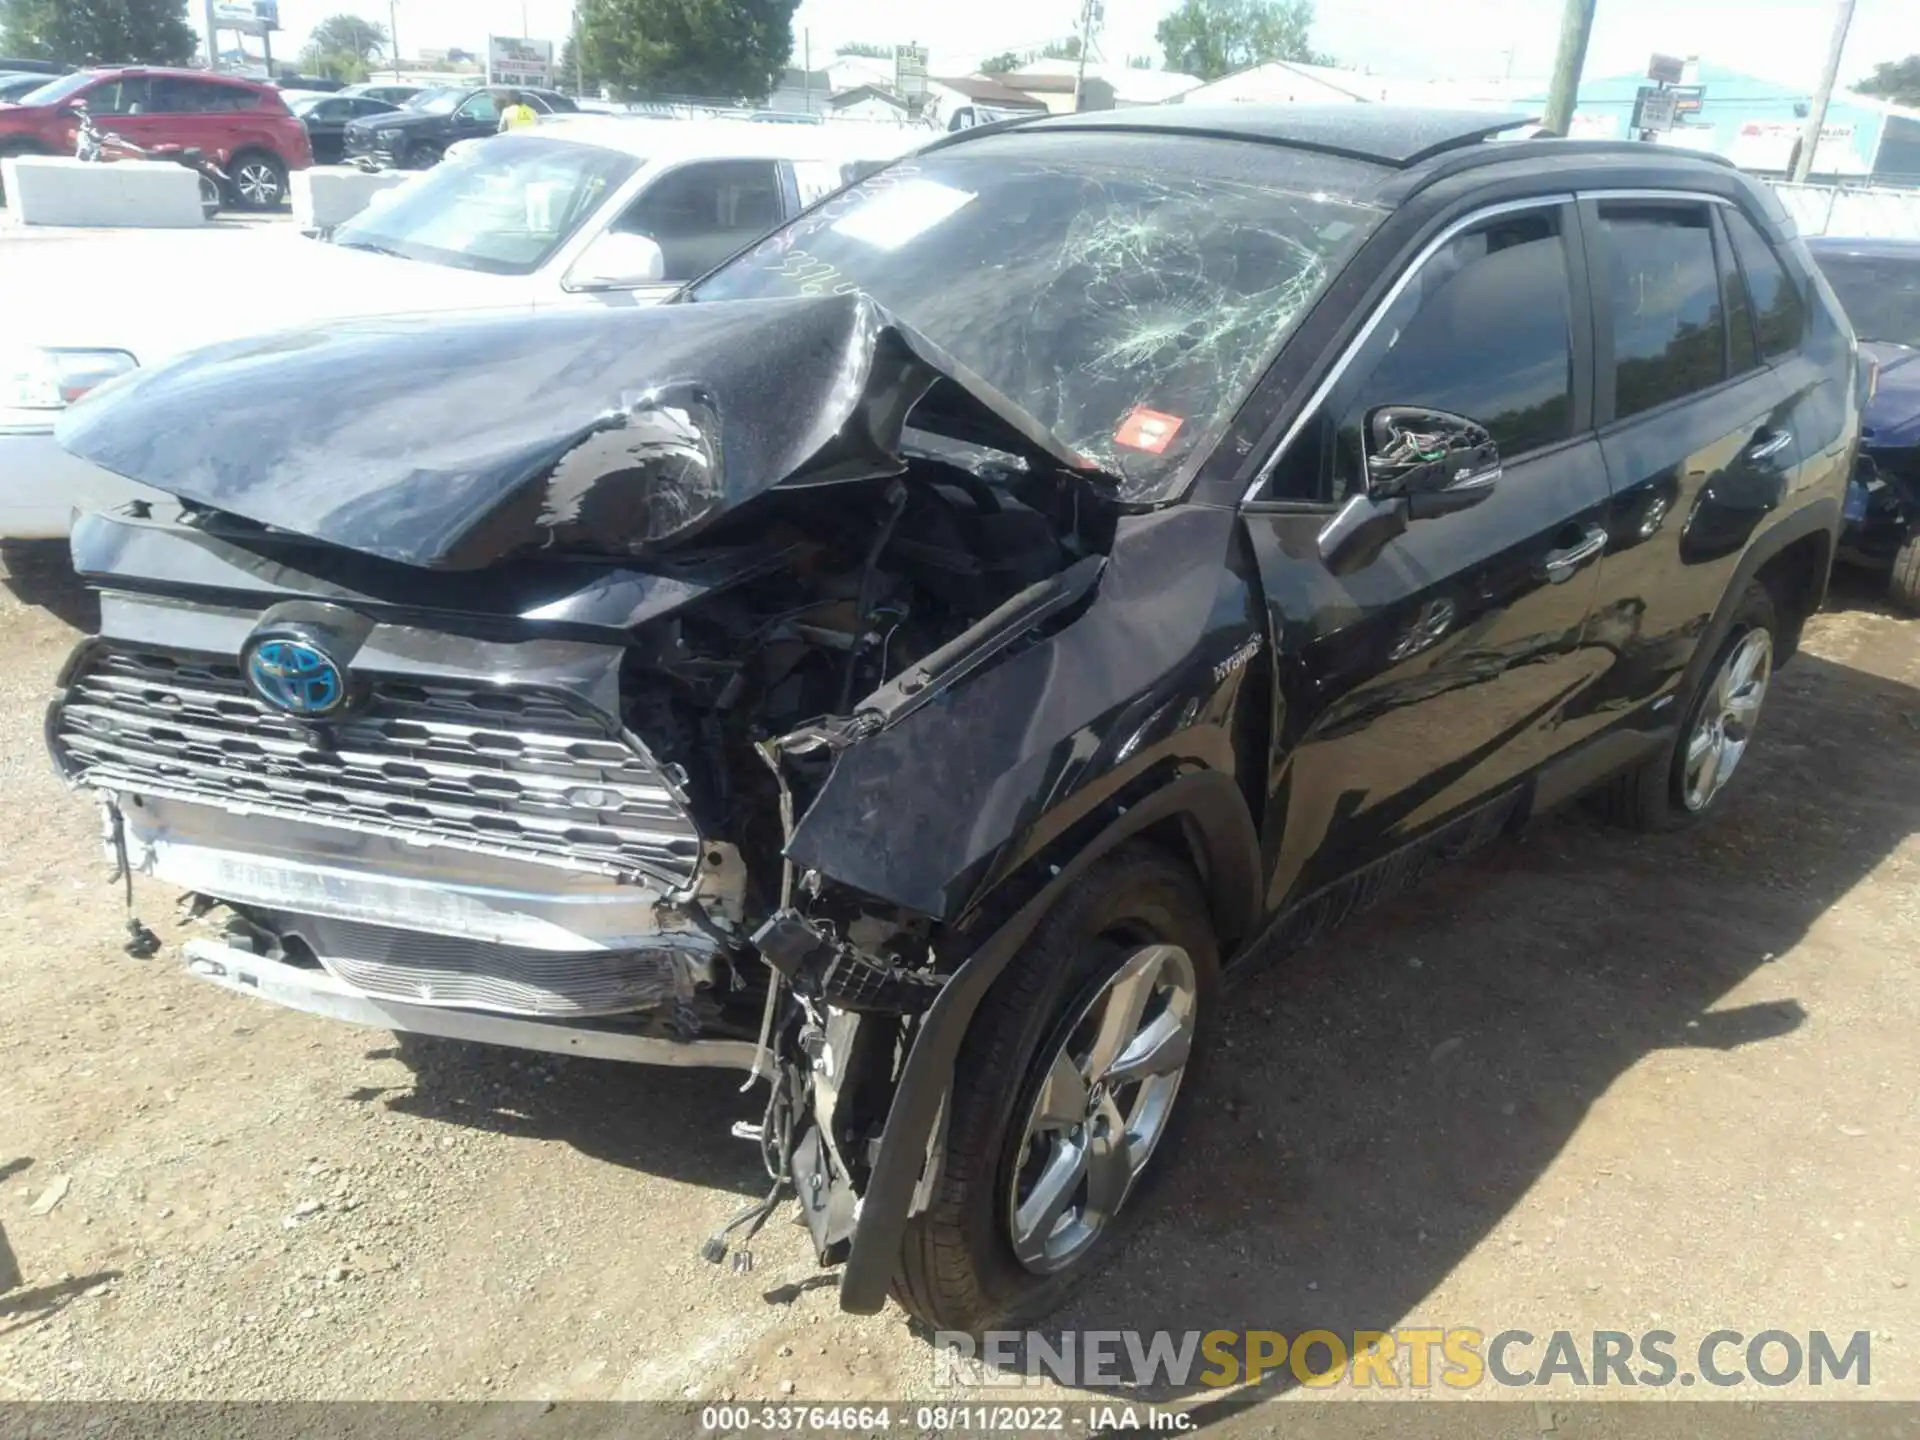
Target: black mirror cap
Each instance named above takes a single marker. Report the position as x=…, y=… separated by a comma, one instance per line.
x=1415, y=451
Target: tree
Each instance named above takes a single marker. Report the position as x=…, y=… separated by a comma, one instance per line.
x=1895, y=80
x=1067, y=49
x=1211, y=38
x=348, y=35
x=1005, y=63
x=866, y=50
x=1140, y=62
x=82, y=32
x=731, y=48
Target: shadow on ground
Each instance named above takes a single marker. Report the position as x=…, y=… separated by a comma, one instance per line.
x=40, y=573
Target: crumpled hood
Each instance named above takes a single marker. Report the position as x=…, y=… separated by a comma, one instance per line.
x=451, y=443
x=1892, y=419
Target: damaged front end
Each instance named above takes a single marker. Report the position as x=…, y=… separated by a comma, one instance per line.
x=489, y=705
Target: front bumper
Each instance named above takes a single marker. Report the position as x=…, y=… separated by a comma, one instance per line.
x=41, y=486
x=318, y=993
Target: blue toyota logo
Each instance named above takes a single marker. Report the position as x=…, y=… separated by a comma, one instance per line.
x=296, y=677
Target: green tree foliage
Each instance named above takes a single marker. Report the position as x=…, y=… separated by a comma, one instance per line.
x=1895, y=80
x=1067, y=49
x=866, y=49
x=80, y=32
x=349, y=35
x=730, y=48
x=1211, y=38
x=1005, y=63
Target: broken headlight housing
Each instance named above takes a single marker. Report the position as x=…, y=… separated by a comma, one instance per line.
x=37, y=378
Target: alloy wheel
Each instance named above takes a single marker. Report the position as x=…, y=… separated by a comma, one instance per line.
x=1725, y=724
x=1103, y=1107
x=258, y=184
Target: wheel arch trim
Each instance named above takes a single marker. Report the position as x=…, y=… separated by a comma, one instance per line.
x=1208, y=800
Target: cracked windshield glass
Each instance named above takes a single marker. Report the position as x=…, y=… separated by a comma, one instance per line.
x=1124, y=290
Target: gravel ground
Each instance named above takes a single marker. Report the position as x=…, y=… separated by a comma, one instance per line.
x=1584, y=1081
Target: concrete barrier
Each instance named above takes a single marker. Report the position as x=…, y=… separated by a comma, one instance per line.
x=329, y=195
x=57, y=190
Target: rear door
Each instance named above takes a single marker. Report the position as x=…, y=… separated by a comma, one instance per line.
x=1431, y=677
x=1694, y=428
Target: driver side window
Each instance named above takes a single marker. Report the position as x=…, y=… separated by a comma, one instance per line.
x=1484, y=330
x=480, y=109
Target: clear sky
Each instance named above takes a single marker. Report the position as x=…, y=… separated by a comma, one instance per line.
x=1782, y=40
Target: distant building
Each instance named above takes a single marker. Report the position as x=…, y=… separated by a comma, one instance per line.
x=1128, y=85
x=959, y=102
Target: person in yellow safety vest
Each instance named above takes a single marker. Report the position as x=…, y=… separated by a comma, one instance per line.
x=518, y=113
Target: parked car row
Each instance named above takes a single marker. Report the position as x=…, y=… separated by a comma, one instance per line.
x=243, y=126
x=419, y=134
x=587, y=212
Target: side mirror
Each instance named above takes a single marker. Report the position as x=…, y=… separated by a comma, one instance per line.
x=618, y=261
x=1419, y=464
x=1437, y=462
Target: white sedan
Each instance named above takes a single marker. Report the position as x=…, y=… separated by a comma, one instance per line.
x=593, y=211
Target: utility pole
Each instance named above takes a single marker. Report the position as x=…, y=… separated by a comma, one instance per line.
x=1817, y=116
x=579, y=51
x=1576, y=28
x=213, y=42
x=393, y=36
x=806, y=71
x=1089, y=15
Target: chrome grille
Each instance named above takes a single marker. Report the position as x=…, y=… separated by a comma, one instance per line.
x=468, y=974
x=505, y=771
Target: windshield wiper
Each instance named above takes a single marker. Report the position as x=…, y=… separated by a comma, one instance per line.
x=372, y=247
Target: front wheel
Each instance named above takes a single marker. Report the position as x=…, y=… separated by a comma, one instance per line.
x=1903, y=585
x=1067, y=1096
x=259, y=182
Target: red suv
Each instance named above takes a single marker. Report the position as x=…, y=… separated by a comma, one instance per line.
x=244, y=126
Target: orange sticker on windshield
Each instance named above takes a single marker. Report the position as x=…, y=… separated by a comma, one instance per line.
x=1147, y=430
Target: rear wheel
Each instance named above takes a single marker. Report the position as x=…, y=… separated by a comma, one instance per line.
x=259, y=181
x=210, y=197
x=1903, y=586
x=425, y=155
x=1065, y=1096
x=1681, y=784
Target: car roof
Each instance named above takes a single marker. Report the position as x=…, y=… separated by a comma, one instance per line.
x=655, y=138
x=179, y=71
x=1398, y=136
x=1867, y=247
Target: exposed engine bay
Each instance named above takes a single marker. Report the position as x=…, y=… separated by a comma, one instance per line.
x=517, y=773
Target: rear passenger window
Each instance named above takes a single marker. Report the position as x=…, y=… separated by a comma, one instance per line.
x=1780, y=315
x=1663, y=295
x=1482, y=330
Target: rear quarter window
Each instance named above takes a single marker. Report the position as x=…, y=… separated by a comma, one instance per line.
x=1779, y=309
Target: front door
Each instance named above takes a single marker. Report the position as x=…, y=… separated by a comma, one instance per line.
x=1434, y=675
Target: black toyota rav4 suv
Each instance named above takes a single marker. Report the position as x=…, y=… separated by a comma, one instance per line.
x=921, y=660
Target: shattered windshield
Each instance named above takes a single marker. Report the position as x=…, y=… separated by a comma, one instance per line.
x=1123, y=289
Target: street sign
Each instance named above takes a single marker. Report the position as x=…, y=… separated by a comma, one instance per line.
x=910, y=72
x=1688, y=99
x=1653, y=109
x=249, y=17
x=512, y=61
x=1666, y=69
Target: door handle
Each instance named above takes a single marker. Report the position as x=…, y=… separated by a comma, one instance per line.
x=1558, y=566
x=1769, y=442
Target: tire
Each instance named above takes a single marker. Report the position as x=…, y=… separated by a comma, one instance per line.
x=424, y=156
x=210, y=197
x=259, y=181
x=1903, y=585
x=1136, y=913
x=1666, y=792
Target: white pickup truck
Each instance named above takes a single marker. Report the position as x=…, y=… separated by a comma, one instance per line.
x=590, y=210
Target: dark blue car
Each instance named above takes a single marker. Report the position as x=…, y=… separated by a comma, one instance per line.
x=1878, y=282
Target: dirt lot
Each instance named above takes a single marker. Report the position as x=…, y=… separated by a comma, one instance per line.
x=1583, y=1081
